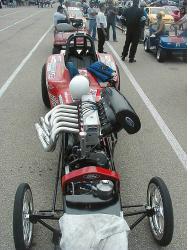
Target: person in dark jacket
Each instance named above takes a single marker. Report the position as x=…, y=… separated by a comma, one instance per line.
x=143, y=21
x=111, y=20
x=132, y=16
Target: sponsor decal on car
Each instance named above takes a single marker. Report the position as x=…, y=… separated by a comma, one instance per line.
x=53, y=100
x=91, y=176
x=51, y=68
x=177, y=40
x=93, y=92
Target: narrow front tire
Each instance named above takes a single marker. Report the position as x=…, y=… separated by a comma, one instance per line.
x=162, y=220
x=22, y=227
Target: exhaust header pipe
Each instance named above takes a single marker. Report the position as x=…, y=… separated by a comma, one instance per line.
x=62, y=118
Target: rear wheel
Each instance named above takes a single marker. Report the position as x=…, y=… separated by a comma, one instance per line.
x=45, y=96
x=185, y=57
x=22, y=227
x=118, y=77
x=160, y=55
x=162, y=221
x=146, y=45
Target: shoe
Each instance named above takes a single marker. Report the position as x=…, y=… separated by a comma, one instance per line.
x=123, y=58
x=131, y=60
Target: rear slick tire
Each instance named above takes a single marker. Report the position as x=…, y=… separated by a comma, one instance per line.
x=45, y=96
x=162, y=221
x=146, y=45
x=22, y=227
x=118, y=77
x=185, y=58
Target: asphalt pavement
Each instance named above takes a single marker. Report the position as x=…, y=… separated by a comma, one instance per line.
x=26, y=41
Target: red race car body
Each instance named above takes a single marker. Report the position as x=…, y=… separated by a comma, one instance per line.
x=56, y=77
x=78, y=23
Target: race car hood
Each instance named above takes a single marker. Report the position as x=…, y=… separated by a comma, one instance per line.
x=176, y=42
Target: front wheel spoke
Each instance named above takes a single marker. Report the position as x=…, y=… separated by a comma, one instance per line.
x=161, y=208
x=155, y=223
x=157, y=196
x=161, y=223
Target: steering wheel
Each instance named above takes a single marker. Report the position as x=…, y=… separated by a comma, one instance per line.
x=77, y=23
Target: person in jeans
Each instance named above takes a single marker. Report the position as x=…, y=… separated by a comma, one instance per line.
x=133, y=16
x=111, y=20
x=92, y=12
x=101, y=28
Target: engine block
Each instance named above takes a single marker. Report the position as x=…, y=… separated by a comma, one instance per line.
x=90, y=123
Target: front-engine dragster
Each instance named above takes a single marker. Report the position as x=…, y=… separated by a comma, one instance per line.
x=91, y=210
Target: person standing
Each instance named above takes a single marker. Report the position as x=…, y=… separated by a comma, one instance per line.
x=143, y=21
x=92, y=12
x=182, y=22
x=161, y=29
x=101, y=28
x=85, y=6
x=133, y=16
x=111, y=20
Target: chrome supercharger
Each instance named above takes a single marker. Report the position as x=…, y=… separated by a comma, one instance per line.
x=87, y=131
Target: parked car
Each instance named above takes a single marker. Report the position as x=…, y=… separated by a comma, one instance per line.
x=32, y=2
x=158, y=3
x=173, y=3
x=166, y=45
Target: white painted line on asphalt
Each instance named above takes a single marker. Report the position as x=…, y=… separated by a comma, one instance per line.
x=20, y=66
x=162, y=125
x=11, y=13
x=21, y=21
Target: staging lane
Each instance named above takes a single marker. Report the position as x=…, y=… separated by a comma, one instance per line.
x=17, y=17
x=164, y=84
x=142, y=156
x=18, y=41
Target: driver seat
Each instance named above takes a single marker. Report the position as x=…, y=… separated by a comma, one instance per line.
x=82, y=59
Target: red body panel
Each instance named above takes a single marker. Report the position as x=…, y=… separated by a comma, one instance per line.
x=90, y=173
x=58, y=79
x=60, y=38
